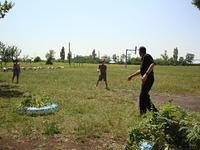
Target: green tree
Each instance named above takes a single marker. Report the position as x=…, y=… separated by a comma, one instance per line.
x=122, y=58
x=50, y=57
x=5, y=7
x=175, y=56
x=2, y=49
x=136, y=61
x=171, y=61
x=25, y=58
x=165, y=57
x=181, y=61
x=85, y=59
x=128, y=58
x=79, y=59
x=9, y=53
x=159, y=61
x=4, y=53
x=196, y=3
x=189, y=58
x=94, y=54
x=105, y=58
x=37, y=59
x=114, y=57
x=14, y=52
x=62, y=54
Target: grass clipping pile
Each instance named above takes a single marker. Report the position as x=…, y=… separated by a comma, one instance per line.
x=35, y=105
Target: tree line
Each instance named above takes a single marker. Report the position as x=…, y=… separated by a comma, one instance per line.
x=9, y=53
x=163, y=60
x=92, y=58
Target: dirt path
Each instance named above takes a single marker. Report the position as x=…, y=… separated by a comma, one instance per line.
x=189, y=102
x=67, y=143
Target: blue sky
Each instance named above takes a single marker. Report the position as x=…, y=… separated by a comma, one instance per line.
x=108, y=26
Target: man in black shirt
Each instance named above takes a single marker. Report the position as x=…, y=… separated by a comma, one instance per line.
x=146, y=71
x=102, y=76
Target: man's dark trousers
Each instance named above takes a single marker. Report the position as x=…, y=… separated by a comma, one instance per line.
x=145, y=101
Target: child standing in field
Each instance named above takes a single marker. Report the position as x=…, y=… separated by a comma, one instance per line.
x=102, y=73
x=16, y=70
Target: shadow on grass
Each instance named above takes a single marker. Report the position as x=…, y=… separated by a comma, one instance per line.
x=7, y=90
x=1, y=81
x=8, y=86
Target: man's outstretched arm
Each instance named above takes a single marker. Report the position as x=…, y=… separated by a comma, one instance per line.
x=133, y=75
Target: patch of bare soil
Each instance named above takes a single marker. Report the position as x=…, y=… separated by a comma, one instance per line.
x=67, y=143
x=189, y=102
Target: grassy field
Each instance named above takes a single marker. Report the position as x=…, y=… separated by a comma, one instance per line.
x=86, y=110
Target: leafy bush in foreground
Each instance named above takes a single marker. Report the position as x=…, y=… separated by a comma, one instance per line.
x=169, y=129
x=35, y=101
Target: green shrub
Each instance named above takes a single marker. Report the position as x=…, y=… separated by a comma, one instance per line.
x=170, y=128
x=35, y=101
x=192, y=129
x=51, y=128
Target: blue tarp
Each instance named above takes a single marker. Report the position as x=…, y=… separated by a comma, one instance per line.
x=146, y=146
x=112, y=62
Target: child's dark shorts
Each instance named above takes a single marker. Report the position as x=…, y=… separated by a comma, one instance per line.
x=16, y=72
x=102, y=77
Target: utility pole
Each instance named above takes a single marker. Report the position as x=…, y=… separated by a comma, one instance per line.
x=69, y=55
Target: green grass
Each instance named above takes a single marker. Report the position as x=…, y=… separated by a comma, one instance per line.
x=86, y=110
